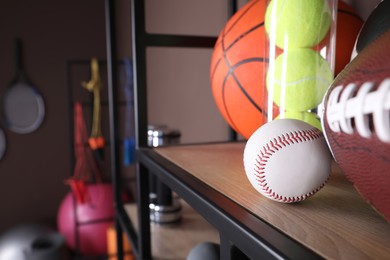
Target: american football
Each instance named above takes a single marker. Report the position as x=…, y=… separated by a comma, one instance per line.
x=356, y=122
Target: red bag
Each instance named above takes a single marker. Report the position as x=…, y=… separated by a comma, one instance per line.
x=86, y=169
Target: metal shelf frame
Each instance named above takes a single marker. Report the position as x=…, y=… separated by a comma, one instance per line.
x=140, y=241
x=242, y=235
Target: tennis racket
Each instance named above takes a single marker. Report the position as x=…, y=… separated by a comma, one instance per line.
x=23, y=105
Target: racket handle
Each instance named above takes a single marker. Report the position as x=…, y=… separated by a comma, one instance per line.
x=20, y=72
x=18, y=54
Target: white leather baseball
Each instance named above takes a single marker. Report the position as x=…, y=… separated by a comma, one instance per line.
x=287, y=160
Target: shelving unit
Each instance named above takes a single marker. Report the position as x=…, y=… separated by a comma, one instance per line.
x=336, y=223
x=141, y=40
x=191, y=231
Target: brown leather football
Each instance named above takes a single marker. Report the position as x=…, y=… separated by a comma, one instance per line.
x=356, y=122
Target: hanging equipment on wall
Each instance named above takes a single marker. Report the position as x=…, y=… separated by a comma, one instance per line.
x=86, y=212
x=23, y=105
x=86, y=169
x=96, y=139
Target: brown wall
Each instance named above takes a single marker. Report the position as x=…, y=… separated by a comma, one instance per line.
x=35, y=165
x=54, y=32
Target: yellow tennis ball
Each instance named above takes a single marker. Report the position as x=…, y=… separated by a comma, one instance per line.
x=310, y=118
x=298, y=79
x=297, y=23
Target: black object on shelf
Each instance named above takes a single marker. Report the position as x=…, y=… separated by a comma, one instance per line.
x=164, y=207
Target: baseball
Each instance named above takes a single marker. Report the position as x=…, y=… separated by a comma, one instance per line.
x=287, y=160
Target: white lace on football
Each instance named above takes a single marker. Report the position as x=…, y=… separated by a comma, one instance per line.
x=368, y=104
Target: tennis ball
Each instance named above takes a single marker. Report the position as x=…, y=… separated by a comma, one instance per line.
x=310, y=118
x=298, y=79
x=297, y=23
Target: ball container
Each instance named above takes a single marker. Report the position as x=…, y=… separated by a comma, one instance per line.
x=300, y=44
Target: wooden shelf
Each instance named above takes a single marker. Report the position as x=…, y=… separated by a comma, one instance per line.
x=174, y=241
x=335, y=223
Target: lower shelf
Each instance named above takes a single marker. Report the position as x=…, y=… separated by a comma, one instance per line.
x=174, y=241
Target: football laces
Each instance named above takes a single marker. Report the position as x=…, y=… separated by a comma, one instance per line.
x=364, y=109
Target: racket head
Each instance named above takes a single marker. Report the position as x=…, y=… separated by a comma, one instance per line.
x=23, y=108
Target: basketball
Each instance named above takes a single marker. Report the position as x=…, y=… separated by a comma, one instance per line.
x=348, y=26
x=240, y=59
x=237, y=69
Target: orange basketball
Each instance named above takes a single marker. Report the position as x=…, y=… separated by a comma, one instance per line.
x=348, y=27
x=240, y=60
x=237, y=69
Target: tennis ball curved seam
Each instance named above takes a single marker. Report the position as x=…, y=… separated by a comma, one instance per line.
x=291, y=83
x=300, y=79
x=297, y=23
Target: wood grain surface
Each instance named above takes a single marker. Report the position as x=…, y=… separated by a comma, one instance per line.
x=175, y=241
x=336, y=222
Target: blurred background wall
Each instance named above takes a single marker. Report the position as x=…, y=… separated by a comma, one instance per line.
x=33, y=171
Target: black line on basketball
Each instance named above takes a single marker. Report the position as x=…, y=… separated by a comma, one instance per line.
x=349, y=13
x=243, y=35
x=226, y=31
x=231, y=68
x=243, y=90
x=235, y=22
x=214, y=69
x=231, y=72
x=240, y=17
x=233, y=43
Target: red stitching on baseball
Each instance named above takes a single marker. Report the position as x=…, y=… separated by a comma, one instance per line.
x=271, y=148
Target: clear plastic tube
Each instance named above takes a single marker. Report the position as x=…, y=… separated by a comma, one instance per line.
x=300, y=37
